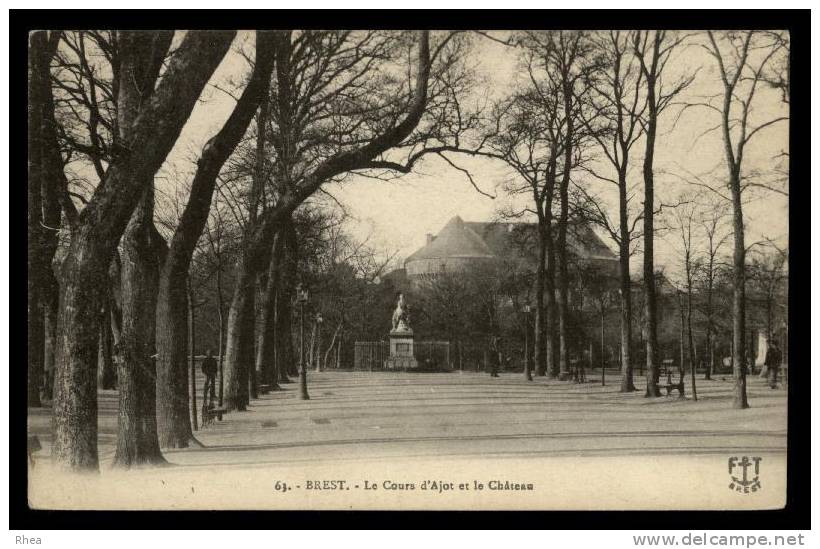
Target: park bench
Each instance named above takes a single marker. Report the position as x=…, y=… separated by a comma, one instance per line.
x=666, y=368
x=577, y=367
x=33, y=446
x=208, y=414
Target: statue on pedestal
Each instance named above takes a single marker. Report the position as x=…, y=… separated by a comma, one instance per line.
x=401, y=318
x=402, y=356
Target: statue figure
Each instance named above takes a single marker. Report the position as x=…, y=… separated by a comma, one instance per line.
x=401, y=318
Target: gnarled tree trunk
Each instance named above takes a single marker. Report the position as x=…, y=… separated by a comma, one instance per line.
x=95, y=238
x=137, y=441
x=173, y=418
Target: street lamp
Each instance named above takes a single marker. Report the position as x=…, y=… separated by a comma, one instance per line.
x=301, y=301
x=527, y=370
x=319, y=321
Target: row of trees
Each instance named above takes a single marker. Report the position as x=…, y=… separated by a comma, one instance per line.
x=589, y=107
x=105, y=111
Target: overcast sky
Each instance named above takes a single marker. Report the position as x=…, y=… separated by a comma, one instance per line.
x=396, y=215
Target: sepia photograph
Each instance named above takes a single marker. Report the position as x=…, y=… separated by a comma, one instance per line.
x=409, y=270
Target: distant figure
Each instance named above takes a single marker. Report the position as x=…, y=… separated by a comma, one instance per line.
x=495, y=355
x=773, y=358
x=209, y=368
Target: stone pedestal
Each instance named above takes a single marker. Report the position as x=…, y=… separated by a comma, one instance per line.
x=401, y=351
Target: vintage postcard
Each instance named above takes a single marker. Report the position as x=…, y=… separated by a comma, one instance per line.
x=408, y=270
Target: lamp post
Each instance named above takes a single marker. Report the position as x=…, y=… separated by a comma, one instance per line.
x=319, y=321
x=301, y=301
x=527, y=369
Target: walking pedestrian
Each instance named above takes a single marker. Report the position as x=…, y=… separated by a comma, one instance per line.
x=773, y=358
x=209, y=368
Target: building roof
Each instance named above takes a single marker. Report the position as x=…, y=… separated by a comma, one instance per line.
x=493, y=239
x=456, y=239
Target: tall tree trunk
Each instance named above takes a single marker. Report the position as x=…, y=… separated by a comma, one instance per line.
x=682, y=311
x=563, y=217
x=332, y=345
x=339, y=354
x=544, y=352
x=75, y=383
x=710, y=366
x=173, y=415
x=239, y=355
x=38, y=94
x=738, y=297
x=51, y=186
x=266, y=350
x=51, y=306
x=95, y=238
x=550, y=308
x=239, y=338
x=650, y=297
x=603, y=350
x=539, y=347
x=303, y=390
x=172, y=380
x=690, y=336
x=192, y=407
x=708, y=373
x=285, y=355
x=221, y=315
x=627, y=384
x=311, y=347
x=253, y=382
x=563, y=282
x=289, y=362
x=137, y=441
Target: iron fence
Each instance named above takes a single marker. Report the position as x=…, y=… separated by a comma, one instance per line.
x=430, y=355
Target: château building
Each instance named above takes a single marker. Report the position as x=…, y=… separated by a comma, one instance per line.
x=463, y=245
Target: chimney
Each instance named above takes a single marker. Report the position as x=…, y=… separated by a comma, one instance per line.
x=430, y=238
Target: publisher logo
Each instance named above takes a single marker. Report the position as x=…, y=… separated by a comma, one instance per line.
x=745, y=474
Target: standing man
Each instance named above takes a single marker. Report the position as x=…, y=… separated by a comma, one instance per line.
x=209, y=368
x=773, y=358
x=495, y=355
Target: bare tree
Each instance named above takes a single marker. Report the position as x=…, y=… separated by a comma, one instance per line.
x=653, y=50
x=742, y=59
x=684, y=222
x=712, y=226
x=532, y=132
x=565, y=60
x=614, y=116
